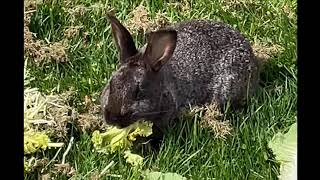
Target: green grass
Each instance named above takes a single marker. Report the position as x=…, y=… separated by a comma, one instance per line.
x=188, y=149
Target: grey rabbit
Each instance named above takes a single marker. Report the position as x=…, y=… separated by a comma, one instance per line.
x=197, y=62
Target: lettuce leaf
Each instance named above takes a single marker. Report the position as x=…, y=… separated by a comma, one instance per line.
x=133, y=159
x=163, y=176
x=284, y=147
x=117, y=139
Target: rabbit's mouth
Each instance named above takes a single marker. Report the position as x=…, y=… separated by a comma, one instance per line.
x=147, y=115
x=126, y=120
x=117, y=120
x=143, y=114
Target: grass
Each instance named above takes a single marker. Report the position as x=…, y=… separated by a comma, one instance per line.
x=188, y=149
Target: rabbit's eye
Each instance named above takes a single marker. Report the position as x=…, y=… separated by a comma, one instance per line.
x=136, y=92
x=139, y=93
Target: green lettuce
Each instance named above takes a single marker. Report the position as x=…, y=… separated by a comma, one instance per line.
x=163, y=176
x=284, y=147
x=120, y=139
x=133, y=159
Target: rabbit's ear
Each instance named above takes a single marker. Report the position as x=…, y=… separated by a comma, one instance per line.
x=122, y=39
x=160, y=47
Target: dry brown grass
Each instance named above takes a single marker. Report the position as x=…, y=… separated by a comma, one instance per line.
x=76, y=11
x=230, y=4
x=72, y=31
x=182, y=6
x=264, y=51
x=140, y=21
x=291, y=14
x=50, y=113
x=95, y=175
x=45, y=176
x=28, y=36
x=57, y=170
x=40, y=51
x=212, y=119
x=30, y=5
x=92, y=119
x=66, y=169
x=36, y=164
x=161, y=20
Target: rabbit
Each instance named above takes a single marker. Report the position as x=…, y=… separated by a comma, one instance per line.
x=196, y=62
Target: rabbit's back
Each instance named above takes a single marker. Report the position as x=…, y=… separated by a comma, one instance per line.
x=211, y=63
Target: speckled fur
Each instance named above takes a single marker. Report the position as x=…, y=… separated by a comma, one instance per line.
x=211, y=63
